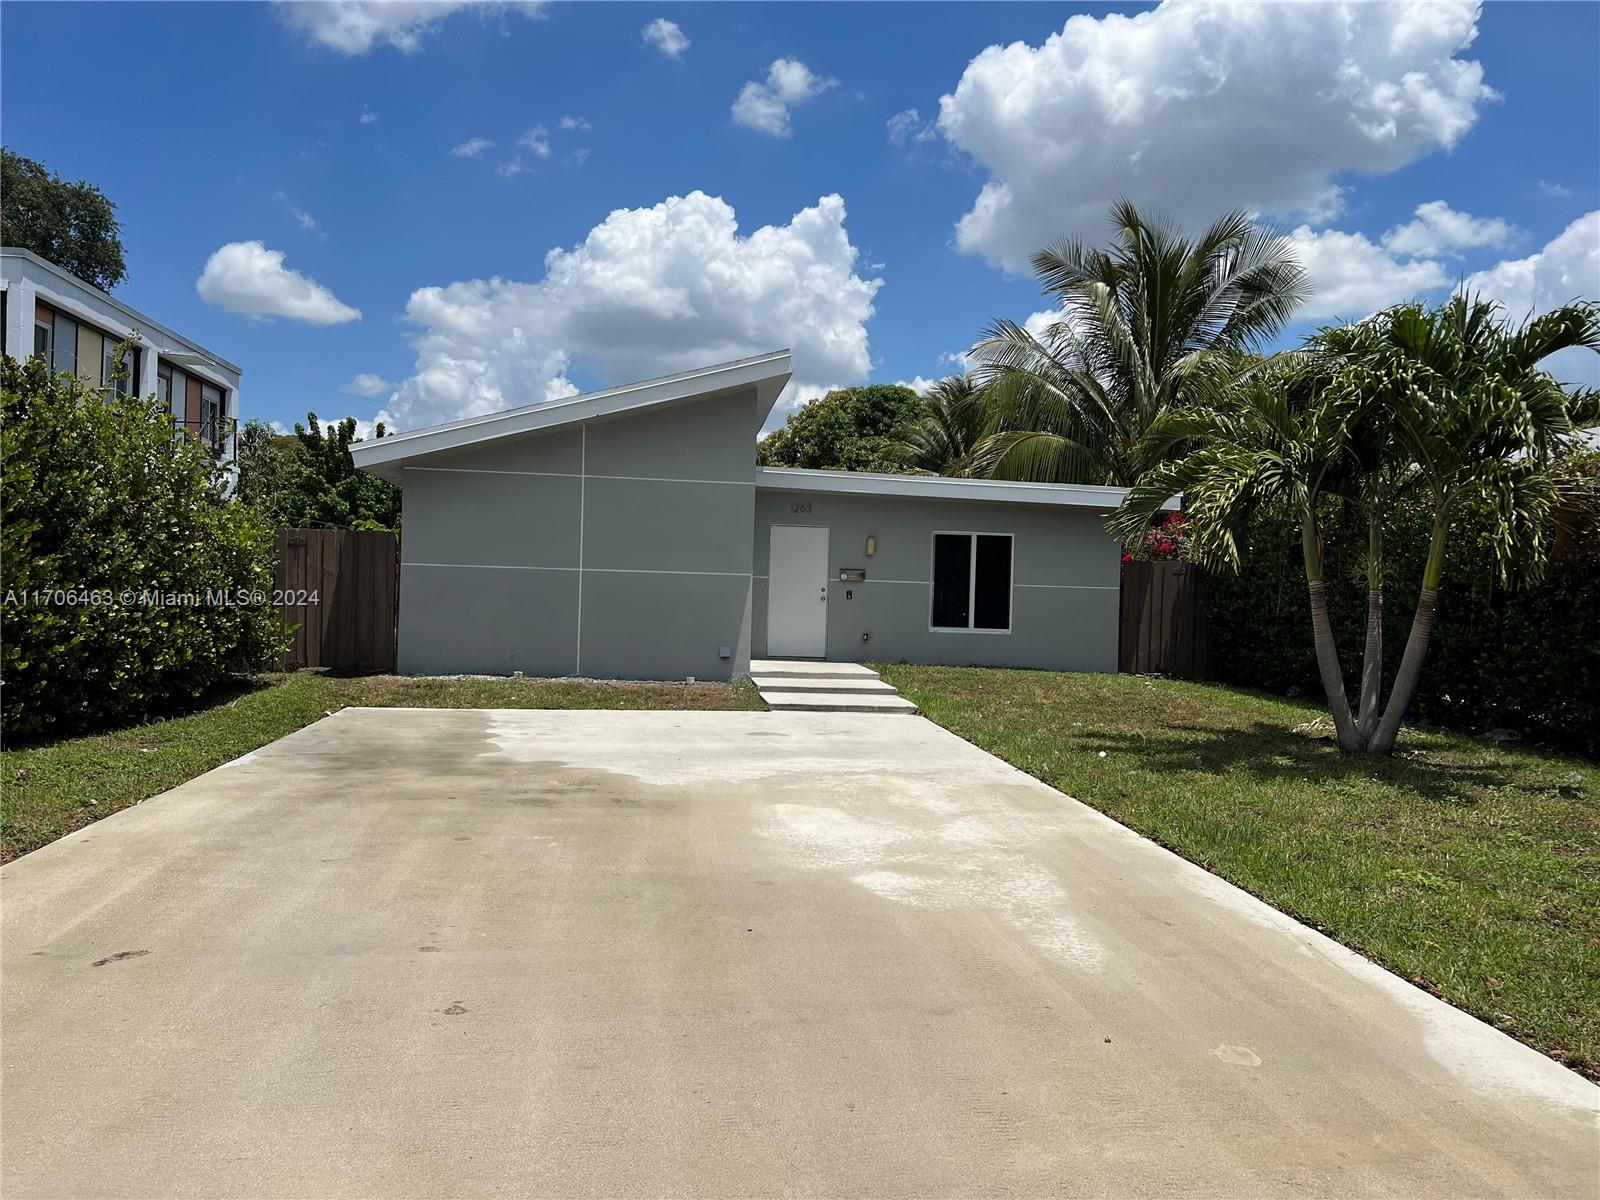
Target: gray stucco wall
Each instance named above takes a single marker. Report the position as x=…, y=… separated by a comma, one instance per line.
x=621, y=549
x=1066, y=580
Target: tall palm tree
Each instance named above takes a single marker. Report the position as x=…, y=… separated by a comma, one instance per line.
x=943, y=437
x=1143, y=328
x=1449, y=402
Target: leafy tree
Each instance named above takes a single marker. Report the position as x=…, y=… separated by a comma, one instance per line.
x=73, y=225
x=267, y=461
x=849, y=429
x=105, y=515
x=949, y=428
x=1447, y=404
x=324, y=489
x=1146, y=327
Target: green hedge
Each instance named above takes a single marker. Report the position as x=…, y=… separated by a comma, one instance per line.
x=103, y=508
x=1523, y=658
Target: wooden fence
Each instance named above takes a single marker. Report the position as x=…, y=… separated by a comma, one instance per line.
x=1163, y=626
x=341, y=589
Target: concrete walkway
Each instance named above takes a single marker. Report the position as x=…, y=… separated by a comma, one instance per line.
x=412, y=953
x=805, y=685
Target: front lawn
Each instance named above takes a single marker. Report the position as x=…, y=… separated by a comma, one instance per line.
x=1471, y=869
x=52, y=788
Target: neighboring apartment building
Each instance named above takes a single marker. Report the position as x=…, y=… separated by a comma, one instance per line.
x=74, y=326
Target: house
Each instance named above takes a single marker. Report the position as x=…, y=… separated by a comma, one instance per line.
x=74, y=326
x=629, y=534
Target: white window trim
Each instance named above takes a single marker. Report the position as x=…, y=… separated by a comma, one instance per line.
x=972, y=579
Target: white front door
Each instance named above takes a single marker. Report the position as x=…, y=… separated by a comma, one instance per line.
x=797, y=592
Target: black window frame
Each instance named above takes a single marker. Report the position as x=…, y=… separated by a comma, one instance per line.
x=972, y=604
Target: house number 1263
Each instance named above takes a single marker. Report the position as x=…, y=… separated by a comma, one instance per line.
x=799, y=506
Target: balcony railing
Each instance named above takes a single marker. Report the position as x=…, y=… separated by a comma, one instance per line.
x=216, y=433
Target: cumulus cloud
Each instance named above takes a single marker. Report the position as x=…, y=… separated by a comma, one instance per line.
x=1353, y=276
x=354, y=27
x=367, y=116
x=1554, y=191
x=648, y=292
x=1566, y=269
x=472, y=148
x=575, y=124
x=765, y=106
x=666, y=37
x=367, y=384
x=246, y=277
x=1199, y=108
x=1440, y=229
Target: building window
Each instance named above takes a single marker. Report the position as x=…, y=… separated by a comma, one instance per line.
x=972, y=582
x=211, y=416
x=42, y=337
x=108, y=367
x=164, y=384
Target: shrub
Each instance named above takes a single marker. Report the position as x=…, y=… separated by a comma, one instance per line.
x=1524, y=658
x=103, y=507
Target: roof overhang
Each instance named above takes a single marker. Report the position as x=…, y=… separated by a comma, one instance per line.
x=766, y=374
x=942, y=487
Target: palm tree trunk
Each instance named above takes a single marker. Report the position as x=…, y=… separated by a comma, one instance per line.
x=1322, y=637
x=1405, y=680
x=1372, y=656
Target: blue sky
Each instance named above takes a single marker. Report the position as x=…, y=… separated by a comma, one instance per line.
x=309, y=149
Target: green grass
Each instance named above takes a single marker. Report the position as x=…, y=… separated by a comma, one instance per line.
x=1469, y=869
x=52, y=788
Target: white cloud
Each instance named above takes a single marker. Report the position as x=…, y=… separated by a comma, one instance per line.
x=511, y=168
x=666, y=37
x=1554, y=191
x=907, y=126
x=1197, y=108
x=367, y=384
x=649, y=291
x=246, y=277
x=367, y=116
x=1440, y=229
x=536, y=140
x=765, y=106
x=1567, y=269
x=472, y=148
x=575, y=124
x=355, y=26
x=1352, y=276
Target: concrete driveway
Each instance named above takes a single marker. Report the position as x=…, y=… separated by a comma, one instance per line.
x=428, y=953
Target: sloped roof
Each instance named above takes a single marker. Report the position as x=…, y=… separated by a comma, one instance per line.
x=766, y=373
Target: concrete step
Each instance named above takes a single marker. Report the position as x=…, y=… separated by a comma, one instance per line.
x=854, y=685
x=838, y=702
x=779, y=668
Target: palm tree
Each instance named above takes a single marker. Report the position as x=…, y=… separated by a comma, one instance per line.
x=1473, y=414
x=1279, y=439
x=1449, y=402
x=1146, y=327
x=942, y=439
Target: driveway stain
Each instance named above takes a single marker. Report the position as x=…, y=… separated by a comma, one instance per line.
x=1238, y=1056
x=120, y=955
